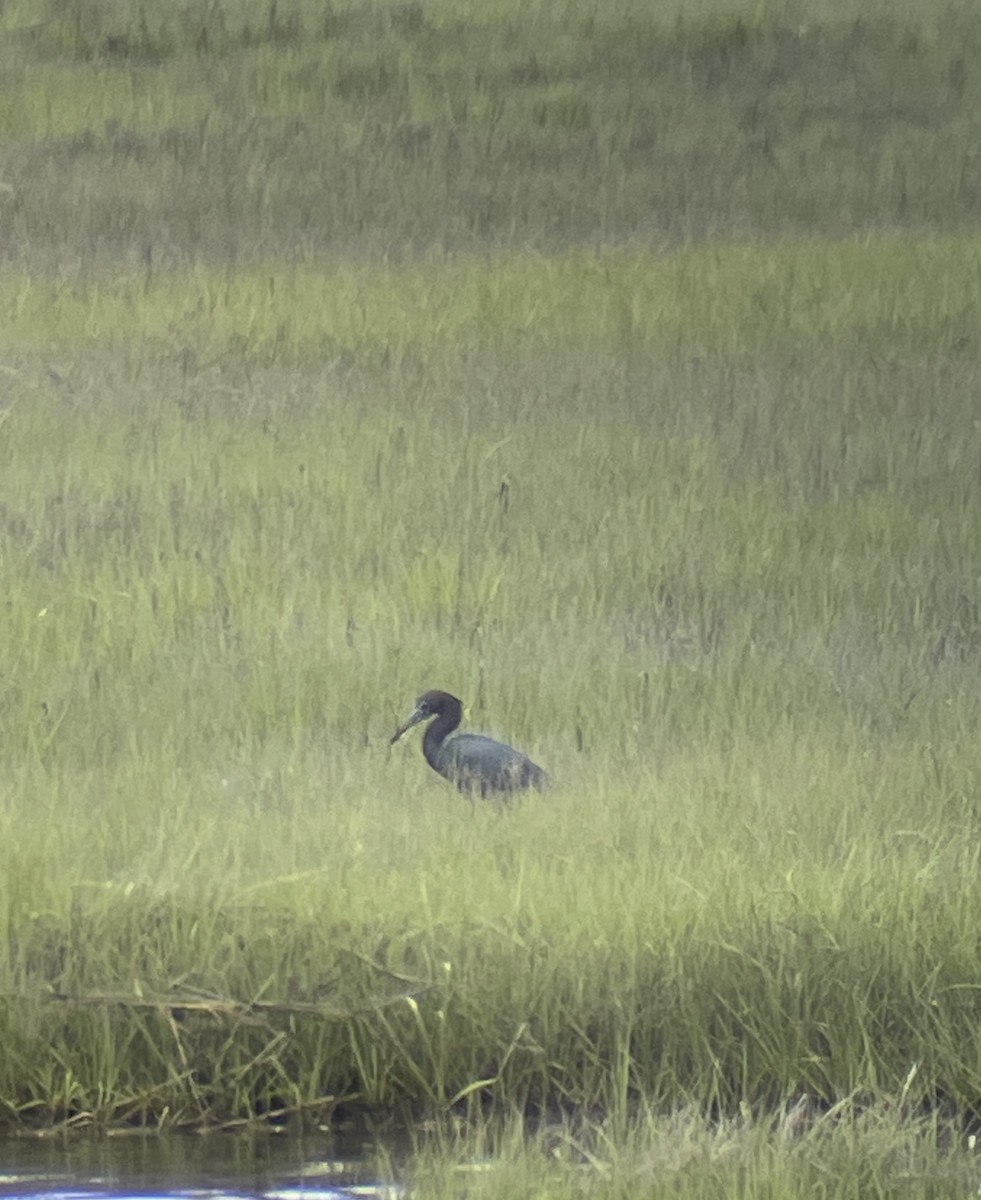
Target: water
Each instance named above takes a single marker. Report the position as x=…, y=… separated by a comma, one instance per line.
x=212, y=1167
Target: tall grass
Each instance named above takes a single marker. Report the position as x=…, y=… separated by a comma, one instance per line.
x=349, y=351
x=240, y=132
x=730, y=601
x=789, y=297
x=846, y=1153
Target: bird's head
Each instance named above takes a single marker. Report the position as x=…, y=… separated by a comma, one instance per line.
x=429, y=704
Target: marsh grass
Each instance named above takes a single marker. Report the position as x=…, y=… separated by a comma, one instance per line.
x=693, y=524
x=730, y=603
x=880, y=1151
x=736, y=302
x=269, y=129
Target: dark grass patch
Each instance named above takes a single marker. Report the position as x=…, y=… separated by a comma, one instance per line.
x=368, y=128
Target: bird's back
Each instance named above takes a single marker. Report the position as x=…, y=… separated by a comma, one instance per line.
x=476, y=763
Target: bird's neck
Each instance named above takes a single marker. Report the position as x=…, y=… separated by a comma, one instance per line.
x=437, y=733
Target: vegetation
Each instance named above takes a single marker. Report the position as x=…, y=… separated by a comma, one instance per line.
x=619, y=375
x=841, y=1154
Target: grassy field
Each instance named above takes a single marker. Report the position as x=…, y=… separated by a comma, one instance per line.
x=618, y=375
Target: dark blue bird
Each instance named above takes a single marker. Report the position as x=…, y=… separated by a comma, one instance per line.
x=476, y=764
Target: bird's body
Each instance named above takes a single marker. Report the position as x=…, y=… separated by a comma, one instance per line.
x=475, y=763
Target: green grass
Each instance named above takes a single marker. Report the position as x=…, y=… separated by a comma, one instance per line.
x=619, y=376
x=878, y=1152
x=288, y=130
x=879, y=294
x=730, y=601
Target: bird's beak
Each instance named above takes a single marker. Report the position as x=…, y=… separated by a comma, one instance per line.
x=414, y=719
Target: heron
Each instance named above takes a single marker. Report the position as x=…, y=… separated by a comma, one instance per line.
x=475, y=763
